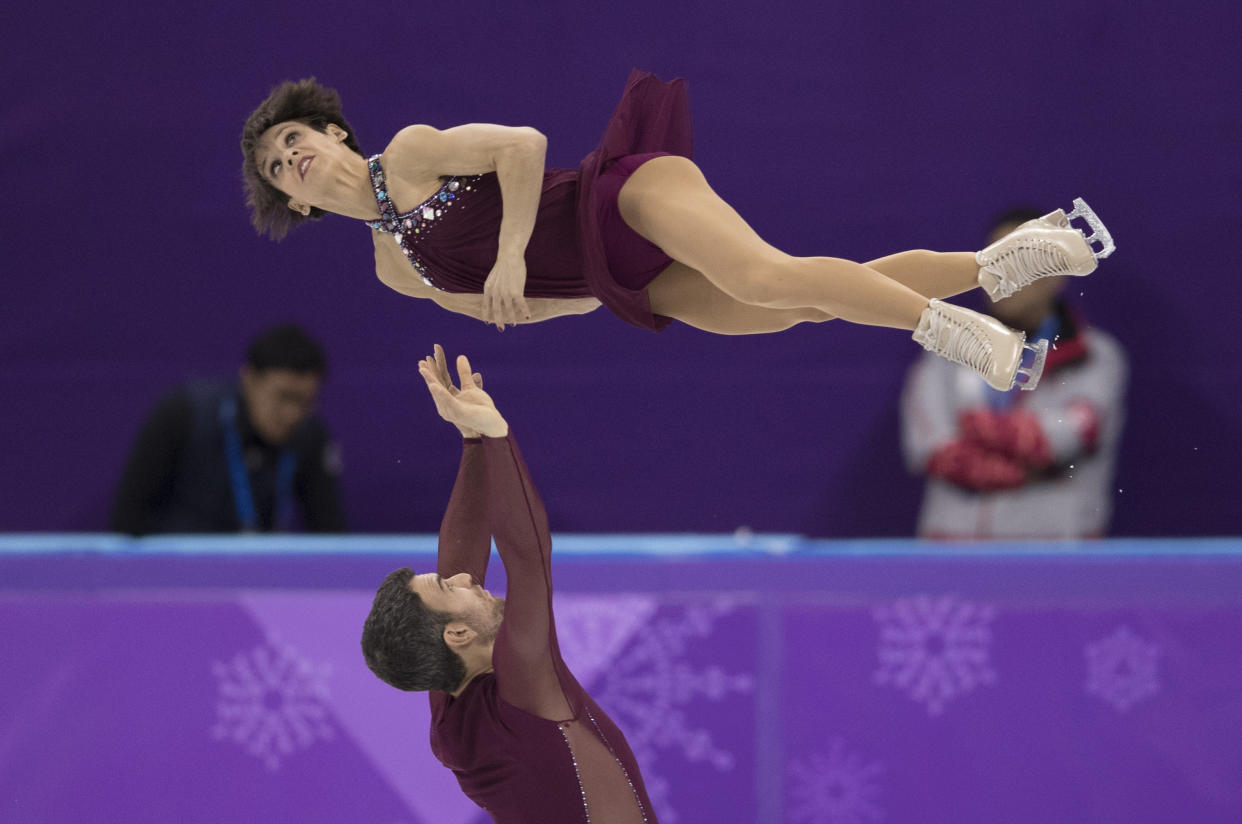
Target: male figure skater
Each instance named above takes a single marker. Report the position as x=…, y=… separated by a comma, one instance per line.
x=524, y=739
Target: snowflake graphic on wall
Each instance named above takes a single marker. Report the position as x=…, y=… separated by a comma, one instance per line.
x=270, y=700
x=649, y=687
x=593, y=629
x=1121, y=669
x=934, y=648
x=834, y=788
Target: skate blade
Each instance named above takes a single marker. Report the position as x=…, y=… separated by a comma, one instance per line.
x=1036, y=370
x=1099, y=234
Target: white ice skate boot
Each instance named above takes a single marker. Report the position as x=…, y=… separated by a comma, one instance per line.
x=980, y=342
x=1046, y=246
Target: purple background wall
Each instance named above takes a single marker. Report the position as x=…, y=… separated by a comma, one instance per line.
x=854, y=129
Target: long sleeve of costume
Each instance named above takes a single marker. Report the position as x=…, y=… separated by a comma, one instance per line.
x=465, y=537
x=526, y=657
x=148, y=474
x=317, y=484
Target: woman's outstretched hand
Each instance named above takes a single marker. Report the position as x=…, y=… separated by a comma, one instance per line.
x=503, y=298
x=467, y=407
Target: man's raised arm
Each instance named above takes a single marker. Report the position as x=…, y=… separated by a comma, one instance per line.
x=526, y=659
x=465, y=538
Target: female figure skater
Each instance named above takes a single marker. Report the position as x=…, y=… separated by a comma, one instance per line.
x=470, y=218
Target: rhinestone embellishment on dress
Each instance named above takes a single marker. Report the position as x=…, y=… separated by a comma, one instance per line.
x=408, y=228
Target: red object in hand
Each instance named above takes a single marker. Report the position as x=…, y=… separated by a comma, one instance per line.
x=1016, y=434
x=972, y=466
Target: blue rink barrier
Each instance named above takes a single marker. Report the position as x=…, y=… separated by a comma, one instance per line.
x=619, y=545
x=1207, y=570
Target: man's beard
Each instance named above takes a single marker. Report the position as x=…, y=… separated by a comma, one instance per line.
x=488, y=630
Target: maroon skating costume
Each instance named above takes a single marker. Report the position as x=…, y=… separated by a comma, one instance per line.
x=580, y=246
x=521, y=768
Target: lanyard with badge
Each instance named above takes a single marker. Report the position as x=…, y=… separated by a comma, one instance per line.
x=239, y=477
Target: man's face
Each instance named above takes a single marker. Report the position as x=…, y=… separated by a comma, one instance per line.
x=462, y=598
x=278, y=400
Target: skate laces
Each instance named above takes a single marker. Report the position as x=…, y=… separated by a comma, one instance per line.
x=1026, y=262
x=959, y=342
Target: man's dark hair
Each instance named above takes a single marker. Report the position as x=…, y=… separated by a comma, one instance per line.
x=286, y=347
x=306, y=102
x=403, y=640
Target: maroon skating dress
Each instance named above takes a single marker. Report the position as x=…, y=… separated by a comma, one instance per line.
x=580, y=246
x=520, y=767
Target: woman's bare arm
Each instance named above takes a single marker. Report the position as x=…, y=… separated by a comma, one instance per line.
x=395, y=272
x=539, y=309
x=516, y=155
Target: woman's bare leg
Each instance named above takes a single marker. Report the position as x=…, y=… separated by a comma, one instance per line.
x=668, y=201
x=931, y=274
x=681, y=292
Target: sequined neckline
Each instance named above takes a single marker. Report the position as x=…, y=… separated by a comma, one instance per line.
x=396, y=222
x=410, y=229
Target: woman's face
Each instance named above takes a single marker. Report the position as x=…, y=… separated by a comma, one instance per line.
x=299, y=161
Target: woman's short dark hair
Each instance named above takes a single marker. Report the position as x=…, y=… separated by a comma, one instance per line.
x=403, y=640
x=306, y=102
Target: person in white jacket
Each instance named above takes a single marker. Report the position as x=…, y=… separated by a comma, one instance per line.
x=1036, y=464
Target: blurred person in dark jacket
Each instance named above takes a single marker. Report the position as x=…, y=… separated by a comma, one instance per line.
x=237, y=456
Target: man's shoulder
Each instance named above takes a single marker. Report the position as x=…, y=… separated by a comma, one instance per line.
x=200, y=391
x=480, y=699
x=184, y=401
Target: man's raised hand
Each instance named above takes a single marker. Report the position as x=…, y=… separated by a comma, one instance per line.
x=467, y=407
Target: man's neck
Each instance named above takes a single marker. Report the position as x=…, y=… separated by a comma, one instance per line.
x=478, y=662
